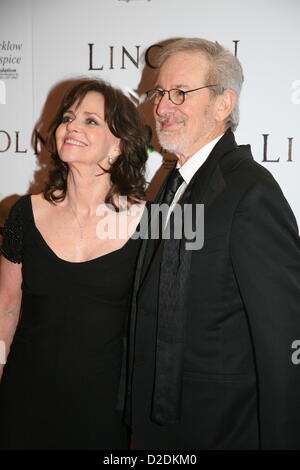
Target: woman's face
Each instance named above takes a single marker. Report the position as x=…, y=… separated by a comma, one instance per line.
x=83, y=135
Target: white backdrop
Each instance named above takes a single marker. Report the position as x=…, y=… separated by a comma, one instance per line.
x=43, y=43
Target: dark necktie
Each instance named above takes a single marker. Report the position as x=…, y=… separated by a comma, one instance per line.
x=174, y=182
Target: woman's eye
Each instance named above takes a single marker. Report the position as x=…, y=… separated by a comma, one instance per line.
x=92, y=121
x=66, y=119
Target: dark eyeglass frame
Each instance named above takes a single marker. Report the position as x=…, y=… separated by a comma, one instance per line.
x=163, y=92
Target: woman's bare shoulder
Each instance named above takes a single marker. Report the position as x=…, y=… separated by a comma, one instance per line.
x=40, y=205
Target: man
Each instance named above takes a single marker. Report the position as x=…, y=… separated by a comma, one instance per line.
x=212, y=330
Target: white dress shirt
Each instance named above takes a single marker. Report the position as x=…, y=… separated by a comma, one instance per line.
x=189, y=168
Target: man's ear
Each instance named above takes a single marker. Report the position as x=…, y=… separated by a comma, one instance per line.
x=224, y=104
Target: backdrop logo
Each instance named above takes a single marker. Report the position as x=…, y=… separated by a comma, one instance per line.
x=123, y=57
x=8, y=141
x=265, y=150
x=119, y=57
x=10, y=58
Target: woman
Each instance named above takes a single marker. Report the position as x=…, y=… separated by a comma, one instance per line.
x=73, y=279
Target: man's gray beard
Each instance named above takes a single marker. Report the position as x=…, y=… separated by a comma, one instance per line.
x=172, y=147
x=181, y=144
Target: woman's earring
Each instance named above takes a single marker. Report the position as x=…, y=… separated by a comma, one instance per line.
x=110, y=159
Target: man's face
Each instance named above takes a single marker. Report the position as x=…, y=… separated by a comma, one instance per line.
x=184, y=129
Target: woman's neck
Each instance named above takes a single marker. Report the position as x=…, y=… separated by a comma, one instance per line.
x=85, y=191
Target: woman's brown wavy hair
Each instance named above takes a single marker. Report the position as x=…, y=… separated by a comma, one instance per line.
x=127, y=173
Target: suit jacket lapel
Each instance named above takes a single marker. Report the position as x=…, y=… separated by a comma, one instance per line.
x=208, y=180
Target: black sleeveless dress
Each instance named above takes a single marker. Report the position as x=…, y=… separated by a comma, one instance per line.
x=59, y=386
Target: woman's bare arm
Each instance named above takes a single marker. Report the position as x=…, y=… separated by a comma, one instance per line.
x=10, y=303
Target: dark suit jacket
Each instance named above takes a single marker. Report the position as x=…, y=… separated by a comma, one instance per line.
x=240, y=388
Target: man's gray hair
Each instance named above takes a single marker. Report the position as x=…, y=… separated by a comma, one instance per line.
x=224, y=68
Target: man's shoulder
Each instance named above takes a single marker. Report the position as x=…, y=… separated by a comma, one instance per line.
x=241, y=165
x=243, y=176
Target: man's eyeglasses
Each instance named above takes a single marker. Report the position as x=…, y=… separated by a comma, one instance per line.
x=176, y=95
